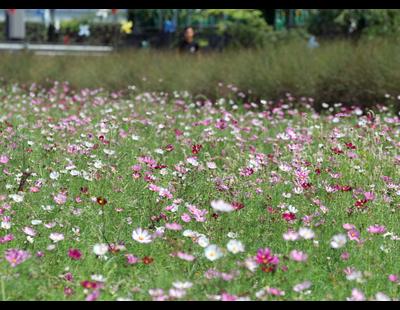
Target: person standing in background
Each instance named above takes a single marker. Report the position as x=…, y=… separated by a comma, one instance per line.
x=188, y=45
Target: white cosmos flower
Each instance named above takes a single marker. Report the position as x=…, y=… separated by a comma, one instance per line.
x=141, y=235
x=193, y=161
x=88, y=144
x=36, y=222
x=251, y=264
x=135, y=138
x=235, y=246
x=187, y=233
x=177, y=293
x=100, y=249
x=221, y=206
x=56, y=237
x=381, y=297
x=109, y=152
x=54, y=175
x=17, y=198
x=355, y=275
x=203, y=241
x=213, y=252
x=182, y=285
x=74, y=172
x=98, y=278
x=5, y=225
x=232, y=235
x=98, y=164
x=306, y=233
x=211, y=165
x=292, y=209
x=338, y=241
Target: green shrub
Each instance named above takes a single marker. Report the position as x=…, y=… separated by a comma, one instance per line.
x=242, y=28
x=368, y=23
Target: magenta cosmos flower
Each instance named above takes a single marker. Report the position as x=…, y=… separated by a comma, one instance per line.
x=16, y=257
x=267, y=261
x=74, y=254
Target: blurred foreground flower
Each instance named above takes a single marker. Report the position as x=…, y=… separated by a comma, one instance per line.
x=16, y=257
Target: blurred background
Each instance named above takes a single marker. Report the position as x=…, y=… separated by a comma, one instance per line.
x=159, y=28
x=332, y=55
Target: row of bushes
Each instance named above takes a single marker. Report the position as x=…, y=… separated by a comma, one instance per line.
x=360, y=72
x=100, y=34
x=234, y=35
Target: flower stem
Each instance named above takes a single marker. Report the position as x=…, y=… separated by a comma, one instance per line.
x=3, y=291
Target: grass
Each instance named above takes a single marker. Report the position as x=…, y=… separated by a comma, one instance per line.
x=58, y=130
x=338, y=71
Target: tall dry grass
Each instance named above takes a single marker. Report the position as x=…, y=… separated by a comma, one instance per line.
x=339, y=71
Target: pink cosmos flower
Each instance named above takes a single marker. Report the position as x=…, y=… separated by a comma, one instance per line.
x=123, y=134
x=228, y=297
x=68, y=277
x=275, y=291
x=6, y=238
x=136, y=168
x=16, y=257
x=165, y=193
x=345, y=256
x=356, y=295
x=4, y=159
x=247, y=171
x=173, y=226
x=369, y=196
x=298, y=256
x=354, y=234
x=302, y=286
x=393, y=278
x=212, y=274
x=291, y=235
x=185, y=217
x=93, y=296
x=68, y=291
x=376, y=229
x=154, y=188
x=348, y=226
x=29, y=231
x=229, y=276
x=185, y=256
x=131, y=259
x=74, y=254
x=60, y=198
x=157, y=294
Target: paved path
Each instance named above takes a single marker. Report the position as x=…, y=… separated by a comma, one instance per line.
x=57, y=49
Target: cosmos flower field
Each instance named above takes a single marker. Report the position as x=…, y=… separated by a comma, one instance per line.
x=166, y=196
